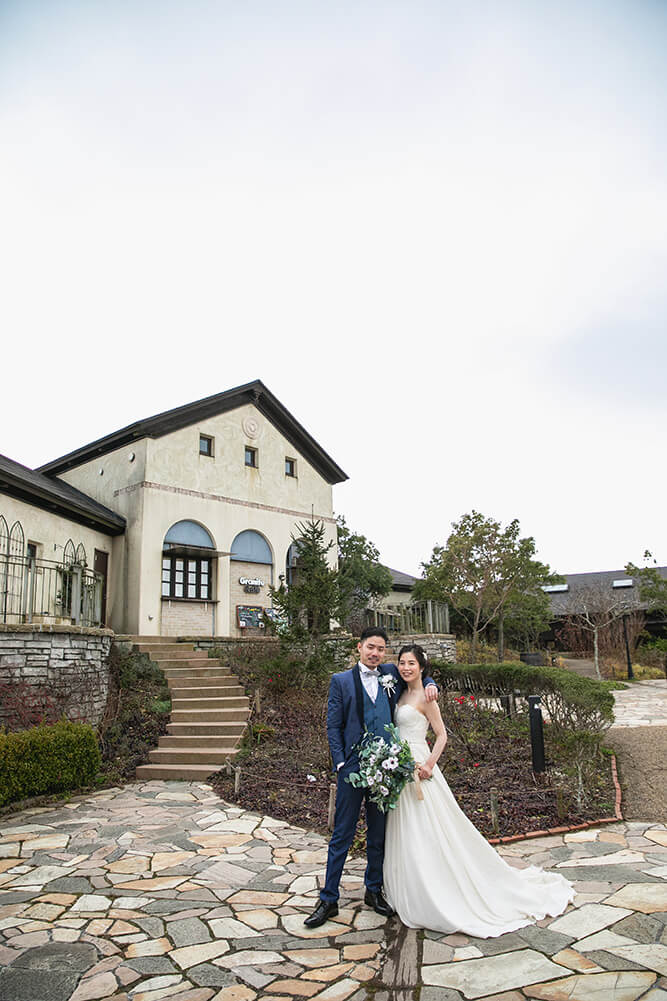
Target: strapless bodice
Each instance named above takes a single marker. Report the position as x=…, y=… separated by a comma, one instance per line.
x=412, y=725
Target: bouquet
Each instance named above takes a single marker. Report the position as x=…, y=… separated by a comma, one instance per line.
x=385, y=766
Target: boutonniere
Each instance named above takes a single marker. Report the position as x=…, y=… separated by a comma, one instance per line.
x=388, y=683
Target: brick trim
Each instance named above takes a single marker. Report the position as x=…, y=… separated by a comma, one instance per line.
x=183, y=491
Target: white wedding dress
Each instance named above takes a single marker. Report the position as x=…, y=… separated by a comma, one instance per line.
x=441, y=873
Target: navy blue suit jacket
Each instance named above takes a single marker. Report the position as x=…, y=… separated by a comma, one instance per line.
x=345, y=710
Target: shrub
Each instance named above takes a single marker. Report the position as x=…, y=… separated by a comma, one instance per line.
x=572, y=702
x=137, y=713
x=47, y=759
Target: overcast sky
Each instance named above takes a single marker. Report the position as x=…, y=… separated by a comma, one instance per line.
x=437, y=231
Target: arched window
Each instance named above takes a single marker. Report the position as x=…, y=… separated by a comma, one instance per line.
x=188, y=533
x=291, y=563
x=186, y=568
x=251, y=547
x=81, y=555
x=4, y=537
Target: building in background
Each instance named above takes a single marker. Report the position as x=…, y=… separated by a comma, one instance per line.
x=182, y=520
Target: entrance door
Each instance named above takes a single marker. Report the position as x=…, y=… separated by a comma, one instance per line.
x=100, y=566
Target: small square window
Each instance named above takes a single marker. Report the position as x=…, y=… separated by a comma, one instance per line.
x=205, y=445
x=290, y=467
x=251, y=456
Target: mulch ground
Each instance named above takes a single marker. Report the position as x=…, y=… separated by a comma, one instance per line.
x=287, y=743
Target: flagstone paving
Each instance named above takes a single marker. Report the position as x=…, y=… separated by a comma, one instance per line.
x=642, y=703
x=161, y=890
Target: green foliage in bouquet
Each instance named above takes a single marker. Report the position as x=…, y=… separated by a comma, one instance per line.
x=384, y=768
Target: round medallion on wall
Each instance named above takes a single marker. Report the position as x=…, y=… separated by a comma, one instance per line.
x=250, y=426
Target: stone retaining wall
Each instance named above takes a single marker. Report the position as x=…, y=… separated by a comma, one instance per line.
x=53, y=671
x=437, y=646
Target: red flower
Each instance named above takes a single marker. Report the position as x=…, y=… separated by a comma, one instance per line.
x=476, y=764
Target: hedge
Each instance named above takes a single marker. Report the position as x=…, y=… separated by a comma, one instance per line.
x=47, y=759
x=573, y=703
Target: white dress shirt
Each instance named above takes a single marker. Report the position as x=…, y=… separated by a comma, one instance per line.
x=370, y=681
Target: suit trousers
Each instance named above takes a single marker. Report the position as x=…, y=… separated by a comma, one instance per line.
x=348, y=808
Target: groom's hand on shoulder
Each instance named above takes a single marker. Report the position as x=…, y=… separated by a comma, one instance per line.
x=431, y=693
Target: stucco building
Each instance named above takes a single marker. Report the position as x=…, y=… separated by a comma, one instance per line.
x=179, y=523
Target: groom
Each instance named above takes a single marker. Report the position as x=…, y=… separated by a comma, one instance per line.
x=358, y=701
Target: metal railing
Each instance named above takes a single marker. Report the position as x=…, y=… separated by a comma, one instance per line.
x=33, y=590
x=419, y=617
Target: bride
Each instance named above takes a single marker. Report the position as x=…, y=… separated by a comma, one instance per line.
x=439, y=871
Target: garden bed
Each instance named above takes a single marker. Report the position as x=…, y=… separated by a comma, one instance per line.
x=286, y=743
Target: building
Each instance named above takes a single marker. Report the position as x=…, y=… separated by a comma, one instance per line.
x=175, y=525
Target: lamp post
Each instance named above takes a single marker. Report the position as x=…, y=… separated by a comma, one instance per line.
x=627, y=647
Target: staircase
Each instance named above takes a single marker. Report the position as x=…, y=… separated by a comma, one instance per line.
x=209, y=712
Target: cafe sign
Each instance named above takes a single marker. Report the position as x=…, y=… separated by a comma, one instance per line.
x=251, y=585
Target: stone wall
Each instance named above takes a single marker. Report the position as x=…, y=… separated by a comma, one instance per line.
x=53, y=670
x=437, y=646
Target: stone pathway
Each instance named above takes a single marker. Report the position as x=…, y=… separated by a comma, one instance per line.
x=642, y=703
x=161, y=890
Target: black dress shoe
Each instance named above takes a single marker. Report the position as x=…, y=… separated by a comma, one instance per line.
x=325, y=909
x=378, y=903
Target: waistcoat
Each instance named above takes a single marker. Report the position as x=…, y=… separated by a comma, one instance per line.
x=377, y=714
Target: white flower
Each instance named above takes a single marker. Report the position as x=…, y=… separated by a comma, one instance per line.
x=388, y=683
x=394, y=749
x=311, y=778
x=390, y=764
x=378, y=777
x=384, y=790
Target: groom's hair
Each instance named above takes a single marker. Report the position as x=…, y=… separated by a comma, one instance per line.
x=373, y=631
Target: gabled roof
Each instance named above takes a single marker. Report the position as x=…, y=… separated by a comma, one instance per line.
x=255, y=393
x=54, y=495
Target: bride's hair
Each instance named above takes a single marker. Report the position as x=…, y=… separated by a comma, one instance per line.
x=418, y=651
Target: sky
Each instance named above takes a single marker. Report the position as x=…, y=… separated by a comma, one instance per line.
x=437, y=231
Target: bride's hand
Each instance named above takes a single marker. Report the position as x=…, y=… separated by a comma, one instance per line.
x=424, y=771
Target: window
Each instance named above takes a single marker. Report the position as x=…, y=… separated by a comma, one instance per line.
x=251, y=547
x=205, y=445
x=251, y=456
x=290, y=467
x=185, y=577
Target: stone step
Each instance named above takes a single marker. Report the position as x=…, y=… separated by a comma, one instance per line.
x=181, y=663
x=206, y=729
x=206, y=693
x=209, y=712
x=226, y=738
x=208, y=715
x=154, y=640
x=194, y=671
x=217, y=702
x=214, y=757
x=184, y=773
x=176, y=651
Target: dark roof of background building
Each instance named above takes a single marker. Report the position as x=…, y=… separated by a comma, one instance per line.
x=578, y=583
x=402, y=581
x=52, y=494
x=255, y=393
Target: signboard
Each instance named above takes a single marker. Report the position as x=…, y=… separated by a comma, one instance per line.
x=250, y=616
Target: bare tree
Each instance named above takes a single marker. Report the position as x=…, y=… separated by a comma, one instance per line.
x=594, y=608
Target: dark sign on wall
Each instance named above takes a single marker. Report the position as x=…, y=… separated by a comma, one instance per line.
x=250, y=616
